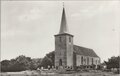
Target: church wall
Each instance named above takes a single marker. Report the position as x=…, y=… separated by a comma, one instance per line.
x=64, y=50
x=94, y=61
x=60, y=50
x=97, y=61
x=87, y=60
x=78, y=60
x=69, y=43
x=90, y=60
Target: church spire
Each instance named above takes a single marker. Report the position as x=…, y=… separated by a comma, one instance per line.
x=63, y=26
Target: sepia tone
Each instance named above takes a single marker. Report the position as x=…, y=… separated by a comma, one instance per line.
x=69, y=55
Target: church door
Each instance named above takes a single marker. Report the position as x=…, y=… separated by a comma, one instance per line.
x=60, y=62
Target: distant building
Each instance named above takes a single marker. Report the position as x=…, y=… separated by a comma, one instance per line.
x=69, y=55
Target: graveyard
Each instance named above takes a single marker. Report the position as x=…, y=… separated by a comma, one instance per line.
x=35, y=73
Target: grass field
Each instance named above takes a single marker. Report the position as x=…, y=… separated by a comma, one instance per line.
x=74, y=74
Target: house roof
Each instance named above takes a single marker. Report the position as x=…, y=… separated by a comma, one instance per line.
x=84, y=51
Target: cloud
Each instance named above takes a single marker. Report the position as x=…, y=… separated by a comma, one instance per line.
x=92, y=10
x=32, y=14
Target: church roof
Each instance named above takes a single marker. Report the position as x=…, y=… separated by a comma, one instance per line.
x=84, y=51
x=63, y=25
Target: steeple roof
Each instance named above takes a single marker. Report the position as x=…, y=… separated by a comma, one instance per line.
x=63, y=26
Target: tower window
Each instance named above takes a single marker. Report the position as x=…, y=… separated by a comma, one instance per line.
x=60, y=39
x=69, y=39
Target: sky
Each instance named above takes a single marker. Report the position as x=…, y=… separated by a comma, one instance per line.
x=28, y=27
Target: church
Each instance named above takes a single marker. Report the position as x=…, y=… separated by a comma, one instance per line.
x=69, y=55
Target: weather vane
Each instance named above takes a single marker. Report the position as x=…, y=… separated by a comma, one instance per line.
x=63, y=4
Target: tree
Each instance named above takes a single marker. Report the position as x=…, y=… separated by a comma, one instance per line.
x=5, y=65
x=51, y=55
x=113, y=62
x=23, y=61
x=48, y=60
x=20, y=63
x=35, y=63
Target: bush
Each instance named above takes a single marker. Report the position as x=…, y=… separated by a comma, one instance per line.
x=117, y=71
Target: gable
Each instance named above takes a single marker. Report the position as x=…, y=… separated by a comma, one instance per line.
x=84, y=51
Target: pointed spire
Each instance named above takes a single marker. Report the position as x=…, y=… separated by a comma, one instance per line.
x=63, y=26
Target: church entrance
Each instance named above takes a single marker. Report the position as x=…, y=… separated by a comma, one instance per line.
x=60, y=62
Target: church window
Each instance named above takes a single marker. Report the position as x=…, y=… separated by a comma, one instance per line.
x=92, y=60
x=88, y=60
x=82, y=60
x=60, y=39
x=96, y=61
x=69, y=39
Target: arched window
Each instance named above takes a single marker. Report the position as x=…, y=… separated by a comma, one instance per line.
x=92, y=60
x=69, y=39
x=96, y=61
x=60, y=62
x=60, y=39
x=82, y=60
x=87, y=60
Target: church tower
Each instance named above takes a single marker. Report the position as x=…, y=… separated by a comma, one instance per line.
x=63, y=45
